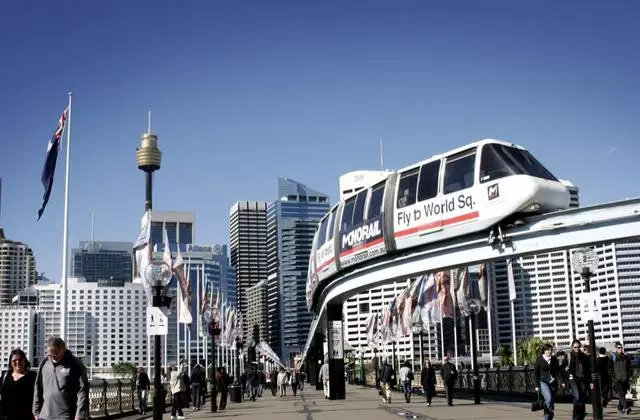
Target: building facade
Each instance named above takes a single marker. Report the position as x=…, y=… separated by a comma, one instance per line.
x=180, y=227
x=292, y=220
x=257, y=308
x=248, y=249
x=107, y=324
x=18, y=330
x=17, y=268
x=103, y=261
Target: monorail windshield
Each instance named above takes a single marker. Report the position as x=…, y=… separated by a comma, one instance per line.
x=499, y=161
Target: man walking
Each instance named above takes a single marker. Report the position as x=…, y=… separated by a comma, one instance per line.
x=449, y=375
x=62, y=388
x=621, y=376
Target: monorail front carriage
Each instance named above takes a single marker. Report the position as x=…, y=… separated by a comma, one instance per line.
x=468, y=190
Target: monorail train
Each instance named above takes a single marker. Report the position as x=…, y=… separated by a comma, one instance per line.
x=467, y=190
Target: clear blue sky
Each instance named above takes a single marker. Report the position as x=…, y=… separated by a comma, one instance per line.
x=243, y=92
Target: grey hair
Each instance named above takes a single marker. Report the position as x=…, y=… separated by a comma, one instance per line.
x=56, y=343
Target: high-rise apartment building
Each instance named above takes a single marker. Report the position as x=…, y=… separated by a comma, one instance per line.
x=17, y=268
x=18, y=330
x=106, y=262
x=248, y=246
x=292, y=220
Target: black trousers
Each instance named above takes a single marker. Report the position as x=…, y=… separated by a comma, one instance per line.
x=177, y=404
x=621, y=389
x=223, y=398
x=195, y=395
x=448, y=389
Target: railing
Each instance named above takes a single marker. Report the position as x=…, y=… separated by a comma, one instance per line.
x=513, y=382
x=109, y=398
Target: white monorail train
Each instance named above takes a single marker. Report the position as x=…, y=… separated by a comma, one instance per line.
x=470, y=189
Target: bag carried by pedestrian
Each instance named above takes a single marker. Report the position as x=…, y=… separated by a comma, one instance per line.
x=538, y=404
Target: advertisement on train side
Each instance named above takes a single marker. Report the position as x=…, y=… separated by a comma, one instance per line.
x=362, y=242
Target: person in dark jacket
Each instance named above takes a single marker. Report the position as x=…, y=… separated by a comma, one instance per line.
x=143, y=384
x=579, y=371
x=621, y=375
x=449, y=375
x=428, y=382
x=548, y=376
x=198, y=383
x=62, y=389
x=386, y=377
x=604, y=366
x=17, y=388
x=222, y=384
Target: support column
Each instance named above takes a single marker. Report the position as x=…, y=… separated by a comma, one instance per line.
x=337, y=388
x=318, y=359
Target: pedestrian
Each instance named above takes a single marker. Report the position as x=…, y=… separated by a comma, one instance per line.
x=282, y=379
x=17, y=388
x=406, y=379
x=324, y=377
x=143, y=384
x=621, y=375
x=386, y=378
x=295, y=381
x=547, y=379
x=177, y=390
x=61, y=390
x=428, y=382
x=604, y=367
x=579, y=371
x=222, y=383
x=449, y=375
x=197, y=380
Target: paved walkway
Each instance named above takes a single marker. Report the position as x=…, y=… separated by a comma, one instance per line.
x=364, y=403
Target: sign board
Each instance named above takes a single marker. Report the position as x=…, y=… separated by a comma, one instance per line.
x=336, y=345
x=157, y=322
x=590, y=306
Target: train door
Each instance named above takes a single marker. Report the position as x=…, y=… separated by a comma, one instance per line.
x=458, y=203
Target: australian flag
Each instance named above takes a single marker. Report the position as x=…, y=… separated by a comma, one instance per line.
x=50, y=164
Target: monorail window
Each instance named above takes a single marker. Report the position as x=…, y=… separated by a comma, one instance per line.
x=358, y=211
x=375, y=202
x=407, y=188
x=347, y=214
x=499, y=161
x=459, y=171
x=323, y=231
x=332, y=223
x=428, y=185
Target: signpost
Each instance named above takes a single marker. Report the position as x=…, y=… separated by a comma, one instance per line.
x=591, y=306
x=157, y=322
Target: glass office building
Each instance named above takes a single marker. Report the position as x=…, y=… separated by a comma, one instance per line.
x=103, y=262
x=291, y=224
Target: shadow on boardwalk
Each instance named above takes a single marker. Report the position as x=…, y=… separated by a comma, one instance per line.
x=364, y=403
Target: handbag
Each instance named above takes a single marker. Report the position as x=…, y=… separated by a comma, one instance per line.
x=538, y=404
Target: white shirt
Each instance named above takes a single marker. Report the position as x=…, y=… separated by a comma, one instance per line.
x=404, y=372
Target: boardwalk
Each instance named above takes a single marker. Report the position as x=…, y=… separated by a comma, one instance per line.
x=364, y=404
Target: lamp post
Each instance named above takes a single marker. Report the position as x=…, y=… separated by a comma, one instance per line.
x=209, y=318
x=472, y=308
x=158, y=275
x=585, y=262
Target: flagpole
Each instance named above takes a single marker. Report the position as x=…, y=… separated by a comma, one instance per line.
x=489, y=311
x=512, y=297
x=65, y=235
x=429, y=338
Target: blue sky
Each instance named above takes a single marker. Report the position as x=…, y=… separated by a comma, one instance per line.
x=245, y=91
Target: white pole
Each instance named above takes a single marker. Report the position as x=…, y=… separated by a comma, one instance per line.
x=442, y=336
x=178, y=303
x=149, y=355
x=165, y=353
x=489, y=311
x=513, y=334
x=429, y=339
x=188, y=330
x=473, y=341
x=65, y=230
x=197, y=310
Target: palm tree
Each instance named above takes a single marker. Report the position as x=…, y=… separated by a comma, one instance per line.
x=506, y=355
x=530, y=348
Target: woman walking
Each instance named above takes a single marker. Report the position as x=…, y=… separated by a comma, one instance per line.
x=547, y=376
x=17, y=388
x=428, y=382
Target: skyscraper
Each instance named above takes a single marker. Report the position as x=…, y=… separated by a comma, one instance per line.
x=104, y=262
x=180, y=226
x=291, y=223
x=248, y=245
x=17, y=268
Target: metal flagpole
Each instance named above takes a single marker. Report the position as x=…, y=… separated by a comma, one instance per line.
x=429, y=339
x=65, y=235
x=178, y=305
x=442, y=336
x=148, y=353
x=512, y=298
x=489, y=312
x=165, y=353
x=197, y=313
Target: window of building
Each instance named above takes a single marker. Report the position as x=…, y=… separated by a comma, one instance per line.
x=459, y=171
x=322, y=232
x=407, y=187
x=428, y=184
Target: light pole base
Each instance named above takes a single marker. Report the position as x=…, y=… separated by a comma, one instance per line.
x=158, y=404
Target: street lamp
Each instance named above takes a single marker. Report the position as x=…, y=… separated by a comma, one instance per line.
x=209, y=318
x=472, y=309
x=585, y=262
x=157, y=275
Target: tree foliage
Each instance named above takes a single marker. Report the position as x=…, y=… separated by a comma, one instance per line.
x=530, y=349
x=124, y=370
x=506, y=355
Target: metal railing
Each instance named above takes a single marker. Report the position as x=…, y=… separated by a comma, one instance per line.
x=109, y=398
